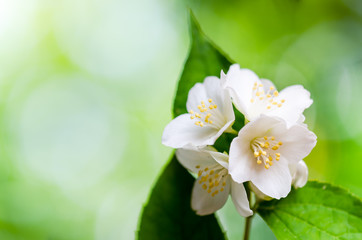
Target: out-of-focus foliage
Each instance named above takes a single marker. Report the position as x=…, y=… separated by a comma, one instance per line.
x=87, y=88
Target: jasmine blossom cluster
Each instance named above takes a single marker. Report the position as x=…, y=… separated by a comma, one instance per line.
x=267, y=152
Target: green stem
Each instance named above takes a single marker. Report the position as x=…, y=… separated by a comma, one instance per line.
x=247, y=227
x=248, y=219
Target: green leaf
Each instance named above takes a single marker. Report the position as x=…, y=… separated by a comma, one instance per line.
x=204, y=60
x=316, y=211
x=168, y=214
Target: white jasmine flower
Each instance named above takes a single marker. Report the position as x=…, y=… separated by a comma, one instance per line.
x=299, y=172
x=263, y=152
x=210, y=113
x=214, y=184
x=253, y=96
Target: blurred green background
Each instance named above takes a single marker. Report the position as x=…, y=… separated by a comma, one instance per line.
x=87, y=87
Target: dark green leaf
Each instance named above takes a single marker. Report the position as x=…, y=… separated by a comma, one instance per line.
x=222, y=144
x=316, y=211
x=168, y=214
x=204, y=60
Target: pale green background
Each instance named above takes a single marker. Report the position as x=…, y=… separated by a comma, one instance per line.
x=87, y=88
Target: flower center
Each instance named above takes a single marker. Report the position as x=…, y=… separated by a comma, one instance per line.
x=203, y=115
x=269, y=98
x=213, y=179
x=265, y=150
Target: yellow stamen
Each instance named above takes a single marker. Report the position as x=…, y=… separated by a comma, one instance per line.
x=275, y=147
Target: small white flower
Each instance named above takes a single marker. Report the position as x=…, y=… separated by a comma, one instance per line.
x=214, y=184
x=263, y=152
x=299, y=172
x=210, y=113
x=253, y=96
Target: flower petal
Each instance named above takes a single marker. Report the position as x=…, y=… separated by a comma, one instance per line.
x=211, y=89
x=298, y=141
x=297, y=99
x=258, y=193
x=276, y=181
x=195, y=159
x=204, y=203
x=182, y=131
x=299, y=172
x=267, y=84
x=221, y=158
x=241, y=159
x=196, y=94
x=240, y=83
x=241, y=166
x=240, y=199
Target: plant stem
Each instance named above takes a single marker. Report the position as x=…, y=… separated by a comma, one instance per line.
x=248, y=219
x=247, y=227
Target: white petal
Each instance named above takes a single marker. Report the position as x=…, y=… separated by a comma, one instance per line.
x=242, y=162
x=260, y=126
x=276, y=181
x=299, y=172
x=196, y=94
x=211, y=89
x=301, y=119
x=240, y=83
x=240, y=199
x=267, y=84
x=297, y=141
x=195, y=159
x=182, y=131
x=258, y=193
x=204, y=203
x=221, y=158
x=297, y=99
